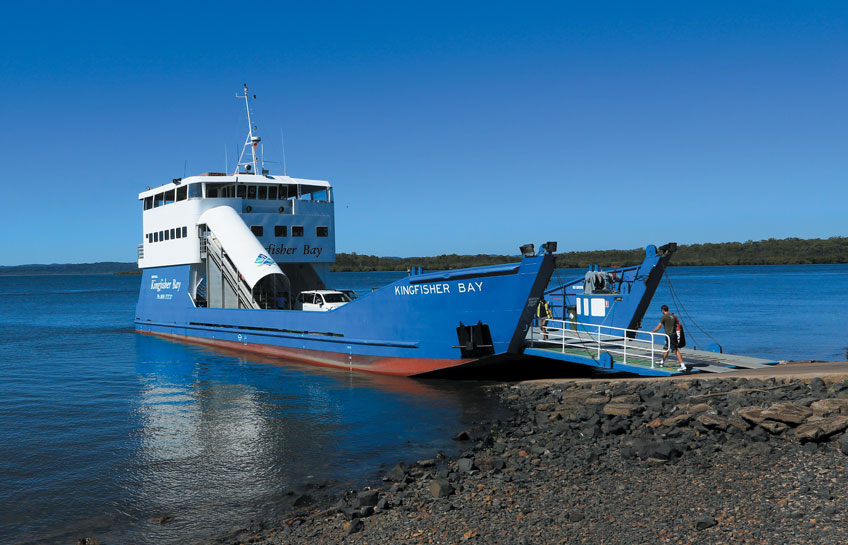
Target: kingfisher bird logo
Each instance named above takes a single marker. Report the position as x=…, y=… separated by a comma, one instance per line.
x=263, y=259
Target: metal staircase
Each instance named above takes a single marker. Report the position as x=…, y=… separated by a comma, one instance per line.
x=229, y=273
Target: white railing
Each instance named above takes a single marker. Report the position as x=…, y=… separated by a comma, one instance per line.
x=632, y=344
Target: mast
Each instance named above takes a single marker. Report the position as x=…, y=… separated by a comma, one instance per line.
x=248, y=158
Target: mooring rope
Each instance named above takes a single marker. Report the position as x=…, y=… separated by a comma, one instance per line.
x=678, y=305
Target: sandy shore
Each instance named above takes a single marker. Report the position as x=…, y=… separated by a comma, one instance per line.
x=752, y=457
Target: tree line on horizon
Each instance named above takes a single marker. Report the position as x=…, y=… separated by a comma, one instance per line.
x=787, y=251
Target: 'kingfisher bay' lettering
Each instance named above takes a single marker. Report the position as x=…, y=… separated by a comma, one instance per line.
x=308, y=250
x=469, y=287
x=438, y=289
x=162, y=284
x=273, y=249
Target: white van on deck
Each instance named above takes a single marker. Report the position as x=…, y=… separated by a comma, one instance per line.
x=321, y=300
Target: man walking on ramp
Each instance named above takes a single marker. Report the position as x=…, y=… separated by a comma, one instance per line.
x=669, y=322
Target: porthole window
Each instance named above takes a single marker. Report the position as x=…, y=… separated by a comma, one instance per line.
x=280, y=230
x=179, y=233
x=322, y=231
x=172, y=234
x=297, y=230
x=185, y=232
x=257, y=230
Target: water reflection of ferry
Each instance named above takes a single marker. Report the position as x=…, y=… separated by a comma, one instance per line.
x=242, y=260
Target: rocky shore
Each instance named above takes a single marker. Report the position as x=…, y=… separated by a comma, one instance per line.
x=712, y=460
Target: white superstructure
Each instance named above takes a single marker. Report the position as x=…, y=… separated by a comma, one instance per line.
x=234, y=230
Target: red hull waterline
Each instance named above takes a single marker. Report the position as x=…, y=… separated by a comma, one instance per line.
x=404, y=367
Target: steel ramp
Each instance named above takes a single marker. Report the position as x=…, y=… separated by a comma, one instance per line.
x=628, y=351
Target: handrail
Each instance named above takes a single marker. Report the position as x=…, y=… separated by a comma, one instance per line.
x=598, y=338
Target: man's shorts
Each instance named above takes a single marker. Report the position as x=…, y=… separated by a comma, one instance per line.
x=672, y=340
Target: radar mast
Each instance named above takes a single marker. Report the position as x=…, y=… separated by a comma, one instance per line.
x=248, y=158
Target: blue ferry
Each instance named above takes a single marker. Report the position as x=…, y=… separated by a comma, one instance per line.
x=241, y=260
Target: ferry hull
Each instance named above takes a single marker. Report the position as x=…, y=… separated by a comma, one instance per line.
x=419, y=324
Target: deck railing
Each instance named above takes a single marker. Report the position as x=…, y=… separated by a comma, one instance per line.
x=630, y=344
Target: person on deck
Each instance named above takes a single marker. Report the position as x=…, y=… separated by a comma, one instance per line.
x=669, y=322
x=543, y=313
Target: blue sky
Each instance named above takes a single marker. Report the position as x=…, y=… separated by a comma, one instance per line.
x=444, y=127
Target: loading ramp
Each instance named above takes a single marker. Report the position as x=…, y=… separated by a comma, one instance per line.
x=632, y=351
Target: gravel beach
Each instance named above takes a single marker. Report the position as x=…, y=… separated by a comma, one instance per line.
x=689, y=460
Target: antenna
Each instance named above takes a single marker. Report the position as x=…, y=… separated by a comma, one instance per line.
x=283, y=140
x=226, y=159
x=251, y=164
x=185, y=166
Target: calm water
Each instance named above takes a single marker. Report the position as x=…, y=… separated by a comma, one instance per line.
x=102, y=429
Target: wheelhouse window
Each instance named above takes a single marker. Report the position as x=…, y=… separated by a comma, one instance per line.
x=169, y=196
x=251, y=192
x=314, y=193
x=182, y=192
x=280, y=230
x=195, y=191
x=148, y=203
x=297, y=230
x=241, y=191
x=262, y=191
x=287, y=191
x=272, y=193
x=257, y=230
x=158, y=200
x=322, y=231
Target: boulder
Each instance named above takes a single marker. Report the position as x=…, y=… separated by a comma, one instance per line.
x=699, y=408
x=440, y=488
x=677, y=420
x=464, y=465
x=774, y=428
x=355, y=525
x=712, y=422
x=621, y=409
x=833, y=425
x=303, y=500
x=789, y=413
x=827, y=406
x=659, y=450
x=397, y=474
x=843, y=444
x=702, y=523
x=808, y=432
x=368, y=498
x=488, y=463
x=754, y=415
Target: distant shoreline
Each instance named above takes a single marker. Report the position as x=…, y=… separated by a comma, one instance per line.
x=789, y=251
